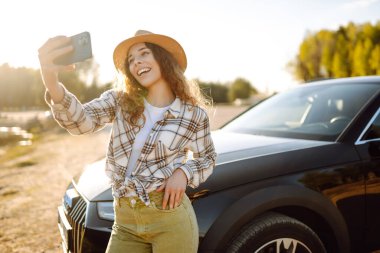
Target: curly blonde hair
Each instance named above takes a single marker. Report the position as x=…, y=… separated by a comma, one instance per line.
x=132, y=98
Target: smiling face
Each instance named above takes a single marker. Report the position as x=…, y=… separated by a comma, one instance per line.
x=143, y=66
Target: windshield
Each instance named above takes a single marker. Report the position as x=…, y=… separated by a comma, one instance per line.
x=316, y=112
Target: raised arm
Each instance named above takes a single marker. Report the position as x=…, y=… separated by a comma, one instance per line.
x=67, y=109
x=50, y=50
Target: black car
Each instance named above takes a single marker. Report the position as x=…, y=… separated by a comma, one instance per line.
x=299, y=172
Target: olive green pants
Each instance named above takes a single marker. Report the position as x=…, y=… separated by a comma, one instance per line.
x=140, y=228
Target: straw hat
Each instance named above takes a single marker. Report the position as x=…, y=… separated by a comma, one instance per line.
x=171, y=45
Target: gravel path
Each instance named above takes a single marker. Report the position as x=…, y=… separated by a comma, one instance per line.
x=29, y=195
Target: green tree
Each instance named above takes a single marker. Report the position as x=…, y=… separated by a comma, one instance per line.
x=240, y=88
x=217, y=91
x=340, y=59
x=374, y=61
x=327, y=43
x=22, y=88
x=349, y=51
x=94, y=90
x=310, y=56
x=73, y=83
x=19, y=87
x=350, y=32
x=362, y=54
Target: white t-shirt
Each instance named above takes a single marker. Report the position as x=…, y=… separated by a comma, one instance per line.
x=152, y=115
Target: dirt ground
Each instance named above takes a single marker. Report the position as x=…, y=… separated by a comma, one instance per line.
x=31, y=186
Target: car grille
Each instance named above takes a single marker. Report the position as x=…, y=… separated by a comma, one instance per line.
x=76, y=218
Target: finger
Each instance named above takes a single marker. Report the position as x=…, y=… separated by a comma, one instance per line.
x=61, y=51
x=172, y=200
x=52, y=43
x=182, y=196
x=48, y=58
x=67, y=68
x=178, y=198
x=165, y=199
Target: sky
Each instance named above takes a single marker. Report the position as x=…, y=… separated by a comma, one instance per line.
x=223, y=39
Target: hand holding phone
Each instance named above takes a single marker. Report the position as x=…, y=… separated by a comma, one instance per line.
x=58, y=54
x=82, y=50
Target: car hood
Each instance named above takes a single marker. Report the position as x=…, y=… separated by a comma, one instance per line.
x=233, y=146
x=95, y=185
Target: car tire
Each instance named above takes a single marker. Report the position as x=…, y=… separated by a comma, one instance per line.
x=273, y=232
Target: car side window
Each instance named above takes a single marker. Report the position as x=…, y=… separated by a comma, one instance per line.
x=373, y=131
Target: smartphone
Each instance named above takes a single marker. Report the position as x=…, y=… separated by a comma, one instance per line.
x=82, y=50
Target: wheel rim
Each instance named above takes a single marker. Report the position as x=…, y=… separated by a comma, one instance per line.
x=284, y=245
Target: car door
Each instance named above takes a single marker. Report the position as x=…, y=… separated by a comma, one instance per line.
x=368, y=146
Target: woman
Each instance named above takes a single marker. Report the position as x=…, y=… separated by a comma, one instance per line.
x=160, y=141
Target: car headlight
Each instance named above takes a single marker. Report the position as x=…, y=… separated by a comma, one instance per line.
x=105, y=210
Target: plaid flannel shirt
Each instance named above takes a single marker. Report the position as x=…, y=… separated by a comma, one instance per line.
x=181, y=140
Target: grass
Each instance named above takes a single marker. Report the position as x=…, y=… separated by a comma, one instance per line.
x=9, y=193
x=26, y=163
x=14, y=152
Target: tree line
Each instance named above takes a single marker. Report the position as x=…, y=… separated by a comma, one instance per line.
x=22, y=88
x=351, y=50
